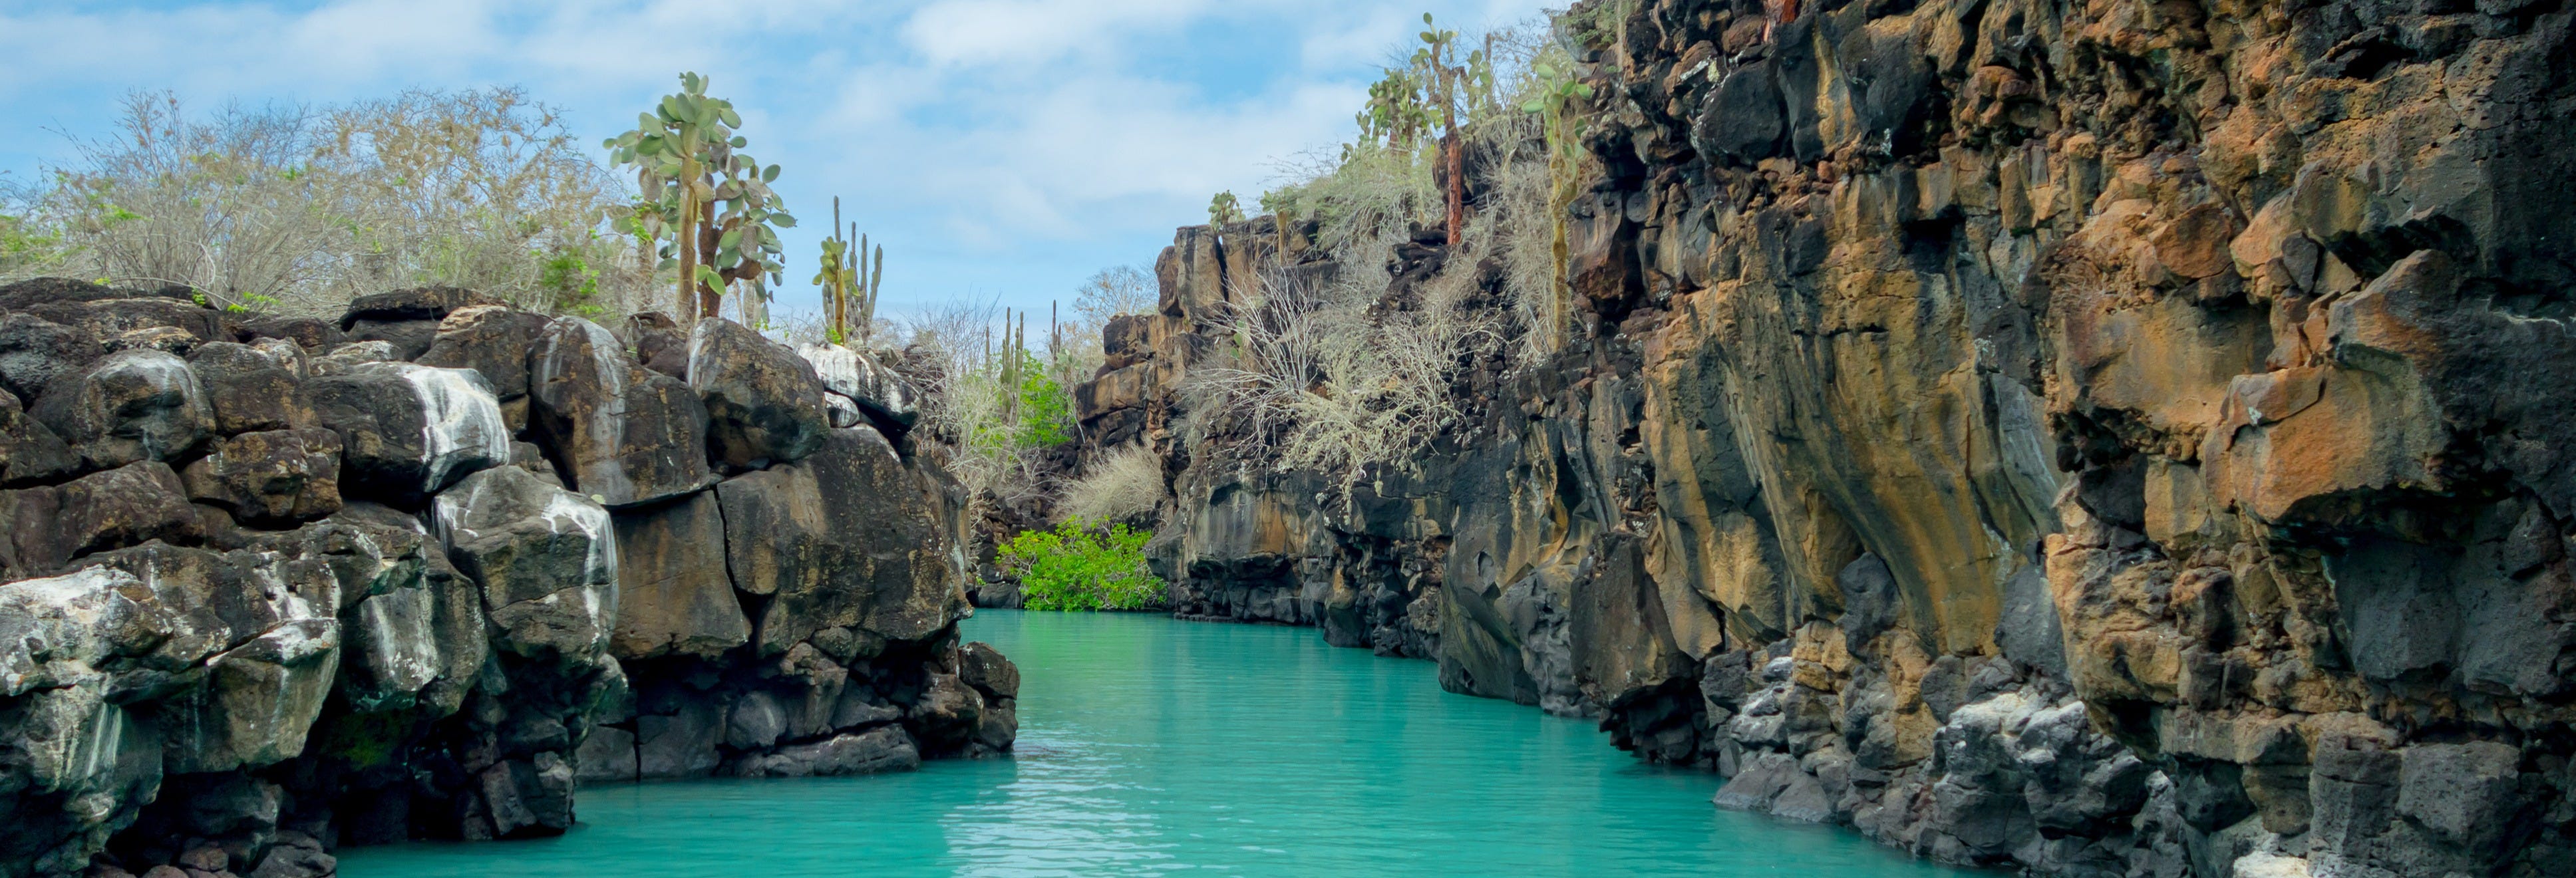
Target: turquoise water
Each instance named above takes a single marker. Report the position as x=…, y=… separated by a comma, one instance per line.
x=1150, y=746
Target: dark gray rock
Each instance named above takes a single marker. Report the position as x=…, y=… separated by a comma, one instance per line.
x=253, y=387
x=877, y=750
x=430, y=304
x=29, y=450
x=607, y=755
x=682, y=744
x=128, y=406
x=674, y=594
x=126, y=506
x=853, y=537
x=986, y=669
x=545, y=557
x=657, y=343
x=272, y=478
x=764, y=403
x=409, y=431
x=614, y=430
x=490, y=339
x=33, y=351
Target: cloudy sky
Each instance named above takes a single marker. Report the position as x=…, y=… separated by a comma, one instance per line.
x=1000, y=148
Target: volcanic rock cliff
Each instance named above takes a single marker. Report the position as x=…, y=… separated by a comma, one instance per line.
x=273, y=586
x=2106, y=438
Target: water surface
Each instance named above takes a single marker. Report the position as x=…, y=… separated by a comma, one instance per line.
x=1150, y=746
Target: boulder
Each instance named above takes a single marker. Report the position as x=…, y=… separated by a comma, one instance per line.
x=491, y=339
x=258, y=701
x=408, y=431
x=614, y=430
x=253, y=387
x=342, y=358
x=764, y=404
x=126, y=506
x=881, y=749
x=885, y=398
x=408, y=338
x=681, y=744
x=658, y=343
x=607, y=755
x=128, y=406
x=545, y=557
x=29, y=450
x=412, y=627
x=986, y=669
x=415, y=304
x=277, y=477
x=852, y=537
x=309, y=333
x=674, y=595
x=34, y=350
x=106, y=319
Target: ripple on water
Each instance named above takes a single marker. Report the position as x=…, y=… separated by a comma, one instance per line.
x=1151, y=746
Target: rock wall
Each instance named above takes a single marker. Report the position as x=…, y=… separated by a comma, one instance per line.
x=275, y=586
x=2101, y=438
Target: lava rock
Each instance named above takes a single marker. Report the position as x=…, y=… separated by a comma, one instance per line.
x=253, y=387
x=271, y=478
x=764, y=403
x=129, y=406
x=674, y=594
x=614, y=430
x=408, y=431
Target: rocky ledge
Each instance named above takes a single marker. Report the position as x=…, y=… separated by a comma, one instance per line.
x=2094, y=438
x=276, y=586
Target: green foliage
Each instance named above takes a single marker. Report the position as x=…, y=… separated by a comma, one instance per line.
x=1046, y=410
x=1224, y=208
x=572, y=284
x=1078, y=566
x=26, y=246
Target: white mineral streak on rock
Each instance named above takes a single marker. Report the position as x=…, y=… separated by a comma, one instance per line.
x=849, y=374
x=396, y=641
x=459, y=418
x=170, y=380
x=2262, y=865
x=450, y=512
x=599, y=570
x=53, y=630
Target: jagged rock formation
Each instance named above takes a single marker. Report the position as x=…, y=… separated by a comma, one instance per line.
x=272, y=587
x=2103, y=438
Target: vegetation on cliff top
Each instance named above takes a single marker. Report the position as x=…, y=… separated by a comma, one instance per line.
x=1339, y=376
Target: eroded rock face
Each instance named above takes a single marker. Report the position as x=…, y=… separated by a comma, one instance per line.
x=764, y=403
x=408, y=431
x=277, y=590
x=2092, y=439
x=613, y=429
x=879, y=554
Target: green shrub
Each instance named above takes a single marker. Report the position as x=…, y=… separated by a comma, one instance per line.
x=1080, y=567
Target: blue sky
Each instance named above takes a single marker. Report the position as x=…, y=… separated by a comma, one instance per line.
x=999, y=148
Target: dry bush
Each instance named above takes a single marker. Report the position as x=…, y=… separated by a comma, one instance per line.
x=297, y=210
x=1123, y=289
x=1126, y=486
x=1342, y=378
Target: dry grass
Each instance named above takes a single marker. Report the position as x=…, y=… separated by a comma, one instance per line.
x=1124, y=487
x=1343, y=378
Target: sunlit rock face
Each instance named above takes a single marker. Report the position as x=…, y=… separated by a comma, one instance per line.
x=268, y=588
x=2099, y=439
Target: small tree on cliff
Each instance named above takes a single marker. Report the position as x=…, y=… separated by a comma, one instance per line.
x=709, y=207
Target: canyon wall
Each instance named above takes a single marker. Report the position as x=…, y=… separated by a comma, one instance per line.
x=273, y=586
x=2104, y=438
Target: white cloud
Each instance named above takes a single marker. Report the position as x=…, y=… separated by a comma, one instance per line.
x=1029, y=32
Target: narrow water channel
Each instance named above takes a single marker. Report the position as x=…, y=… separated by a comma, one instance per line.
x=1150, y=746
